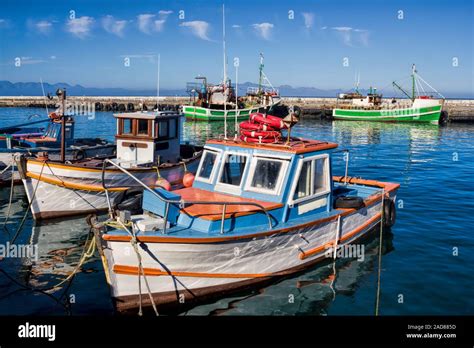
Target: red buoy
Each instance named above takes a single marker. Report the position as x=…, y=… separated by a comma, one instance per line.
x=188, y=179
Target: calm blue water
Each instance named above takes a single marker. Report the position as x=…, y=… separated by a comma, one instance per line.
x=434, y=166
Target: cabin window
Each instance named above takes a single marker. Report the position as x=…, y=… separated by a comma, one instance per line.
x=127, y=126
x=163, y=129
x=233, y=169
x=313, y=178
x=173, y=128
x=207, y=165
x=142, y=128
x=266, y=175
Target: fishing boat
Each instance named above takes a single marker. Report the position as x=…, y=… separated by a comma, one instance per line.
x=219, y=102
x=216, y=102
x=147, y=143
x=422, y=106
x=256, y=211
x=32, y=141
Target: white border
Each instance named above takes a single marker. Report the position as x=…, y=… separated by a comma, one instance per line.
x=229, y=188
x=284, y=169
x=216, y=164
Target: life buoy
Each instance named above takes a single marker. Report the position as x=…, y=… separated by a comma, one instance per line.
x=259, y=140
x=272, y=121
x=261, y=134
x=255, y=126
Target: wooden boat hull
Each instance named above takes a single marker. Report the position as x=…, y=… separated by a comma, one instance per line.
x=181, y=271
x=60, y=190
x=429, y=114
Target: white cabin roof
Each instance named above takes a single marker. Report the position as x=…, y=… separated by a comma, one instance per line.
x=148, y=115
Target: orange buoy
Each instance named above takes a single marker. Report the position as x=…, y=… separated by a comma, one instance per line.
x=188, y=179
x=163, y=183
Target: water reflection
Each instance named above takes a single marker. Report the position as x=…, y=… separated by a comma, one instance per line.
x=308, y=293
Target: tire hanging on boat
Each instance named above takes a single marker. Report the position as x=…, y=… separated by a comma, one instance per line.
x=389, y=213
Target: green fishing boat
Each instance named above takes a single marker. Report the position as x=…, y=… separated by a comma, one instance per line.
x=422, y=106
x=218, y=102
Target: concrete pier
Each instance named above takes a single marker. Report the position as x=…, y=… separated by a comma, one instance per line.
x=458, y=110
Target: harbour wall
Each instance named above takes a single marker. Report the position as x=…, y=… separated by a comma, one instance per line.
x=458, y=110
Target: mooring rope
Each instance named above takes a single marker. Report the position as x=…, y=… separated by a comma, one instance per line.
x=141, y=271
x=10, y=200
x=377, y=303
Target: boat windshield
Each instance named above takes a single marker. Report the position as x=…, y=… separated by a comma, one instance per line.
x=207, y=164
x=266, y=175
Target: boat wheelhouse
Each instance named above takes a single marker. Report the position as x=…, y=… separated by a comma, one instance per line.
x=147, y=143
x=420, y=107
x=255, y=212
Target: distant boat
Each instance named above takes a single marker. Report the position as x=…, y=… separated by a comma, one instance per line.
x=218, y=102
x=421, y=107
x=256, y=212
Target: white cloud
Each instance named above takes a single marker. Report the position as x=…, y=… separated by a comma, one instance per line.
x=347, y=35
x=114, y=26
x=31, y=61
x=308, y=19
x=164, y=14
x=324, y=28
x=80, y=27
x=264, y=30
x=145, y=22
x=236, y=26
x=52, y=57
x=148, y=24
x=198, y=28
x=44, y=27
x=159, y=24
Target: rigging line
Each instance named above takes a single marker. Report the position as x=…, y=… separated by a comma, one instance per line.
x=442, y=96
x=379, y=271
x=10, y=199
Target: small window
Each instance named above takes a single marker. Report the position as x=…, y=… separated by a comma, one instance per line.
x=233, y=170
x=207, y=164
x=142, y=127
x=127, y=126
x=303, y=188
x=320, y=177
x=163, y=129
x=173, y=125
x=266, y=174
x=313, y=178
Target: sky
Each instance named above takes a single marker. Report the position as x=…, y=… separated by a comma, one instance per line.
x=322, y=44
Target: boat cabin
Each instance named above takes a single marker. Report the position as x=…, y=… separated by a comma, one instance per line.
x=147, y=138
x=236, y=181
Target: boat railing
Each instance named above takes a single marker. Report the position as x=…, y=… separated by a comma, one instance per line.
x=182, y=203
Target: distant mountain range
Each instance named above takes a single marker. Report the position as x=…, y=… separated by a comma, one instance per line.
x=8, y=88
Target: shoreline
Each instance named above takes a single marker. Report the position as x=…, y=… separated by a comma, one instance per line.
x=459, y=110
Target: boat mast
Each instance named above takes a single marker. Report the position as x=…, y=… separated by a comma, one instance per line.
x=225, y=71
x=413, y=72
x=401, y=89
x=260, y=78
x=158, y=84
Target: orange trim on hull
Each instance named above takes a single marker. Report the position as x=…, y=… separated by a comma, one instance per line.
x=311, y=252
x=132, y=270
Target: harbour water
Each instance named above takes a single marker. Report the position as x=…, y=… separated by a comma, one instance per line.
x=427, y=256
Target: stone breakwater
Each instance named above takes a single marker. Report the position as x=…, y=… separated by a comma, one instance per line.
x=458, y=110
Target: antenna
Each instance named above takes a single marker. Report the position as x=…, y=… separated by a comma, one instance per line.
x=158, y=84
x=225, y=71
x=260, y=79
x=44, y=97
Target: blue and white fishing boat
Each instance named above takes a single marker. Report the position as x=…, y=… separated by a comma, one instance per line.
x=255, y=212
